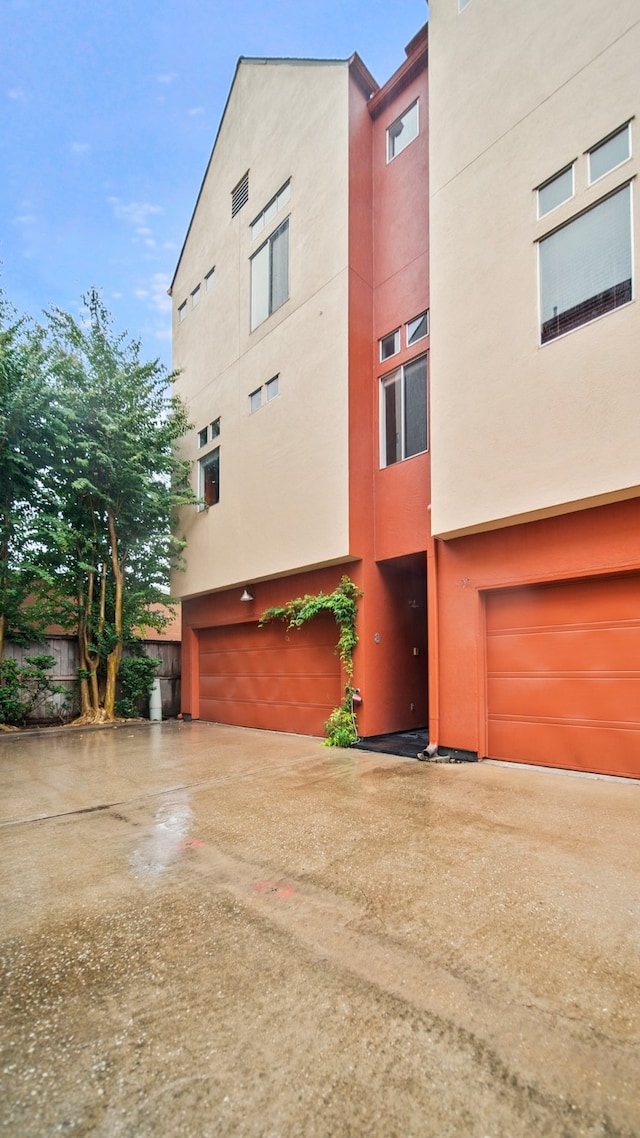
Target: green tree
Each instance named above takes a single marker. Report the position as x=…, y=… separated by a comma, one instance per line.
x=119, y=485
x=27, y=439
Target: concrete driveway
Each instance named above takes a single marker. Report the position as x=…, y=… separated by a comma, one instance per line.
x=215, y=931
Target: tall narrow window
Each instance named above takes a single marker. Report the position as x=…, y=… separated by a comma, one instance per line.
x=270, y=275
x=586, y=266
x=404, y=412
x=209, y=478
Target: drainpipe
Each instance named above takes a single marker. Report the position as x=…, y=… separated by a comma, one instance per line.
x=433, y=641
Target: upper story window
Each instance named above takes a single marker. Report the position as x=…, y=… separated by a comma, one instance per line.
x=270, y=275
x=203, y=437
x=462, y=5
x=585, y=267
x=390, y=345
x=612, y=152
x=417, y=328
x=240, y=195
x=264, y=394
x=402, y=131
x=271, y=209
x=195, y=297
x=403, y=412
x=182, y=312
x=208, y=280
x=209, y=479
x=555, y=191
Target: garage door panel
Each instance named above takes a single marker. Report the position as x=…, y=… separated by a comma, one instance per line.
x=563, y=674
x=601, y=647
x=270, y=679
x=587, y=698
x=554, y=604
x=611, y=750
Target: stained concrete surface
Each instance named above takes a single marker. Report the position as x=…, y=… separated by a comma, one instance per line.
x=214, y=931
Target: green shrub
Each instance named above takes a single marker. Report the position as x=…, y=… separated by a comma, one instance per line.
x=25, y=688
x=137, y=674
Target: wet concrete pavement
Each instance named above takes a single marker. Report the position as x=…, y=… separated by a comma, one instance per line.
x=214, y=931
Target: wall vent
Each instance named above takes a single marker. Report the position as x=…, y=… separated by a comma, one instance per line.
x=240, y=195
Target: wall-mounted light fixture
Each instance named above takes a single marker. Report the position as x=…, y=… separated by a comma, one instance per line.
x=247, y=595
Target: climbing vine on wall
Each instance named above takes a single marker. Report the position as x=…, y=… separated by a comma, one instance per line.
x=341, y=726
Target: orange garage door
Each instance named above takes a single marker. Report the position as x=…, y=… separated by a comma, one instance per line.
x=563, y=686
x=265, y=677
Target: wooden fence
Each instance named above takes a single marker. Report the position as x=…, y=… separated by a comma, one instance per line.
x=64, y=650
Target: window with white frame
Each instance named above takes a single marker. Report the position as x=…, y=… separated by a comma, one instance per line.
x=272, y=388
x=271, y=209
x=209, y=479
x=203, y=437
x=195, y=297
x=417, y=328
x=208, y=280
x=215, y=428
x=402, y=131
x=182, y=311
x=390, y=345
x=585, y=267
x=555, y=191
x=255, y=400
x=462, y=5
x=270, y=275
x=610, y=153
x=403, y=412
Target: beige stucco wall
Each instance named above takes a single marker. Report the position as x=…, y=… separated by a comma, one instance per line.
x=518, y=91
x=284, y=471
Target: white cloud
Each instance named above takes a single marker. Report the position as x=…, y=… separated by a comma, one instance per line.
x=195, y=111
x=25, y=219
x=167, y=78
x=79, y=147
x=135, y=213
x=15, y=93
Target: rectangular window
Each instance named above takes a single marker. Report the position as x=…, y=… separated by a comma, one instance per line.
x=255, y=400
x=611, y=153
x=272, y=387
x=417, y=328
x=402, y=131
x=208, y=280
x=203, y=437
x=462, y=5
x=270, y=275
x=240, y=195
x=585, y=267
x=390, y=344
x=195, y=296
x=215, y=428
x=556, y=191
x=404, y=412
x=209, y=478
x=271, y=209
x=182, y=311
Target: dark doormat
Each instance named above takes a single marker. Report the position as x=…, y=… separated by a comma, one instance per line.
x=409, y=744
x=405, y=743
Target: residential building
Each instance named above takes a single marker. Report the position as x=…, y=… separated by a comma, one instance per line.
x=301, y=334
x=535, y=392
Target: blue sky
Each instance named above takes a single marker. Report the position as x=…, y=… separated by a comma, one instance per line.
x=109, y=110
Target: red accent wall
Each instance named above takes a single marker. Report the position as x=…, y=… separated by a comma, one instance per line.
x=586, y=544
x=389, y=517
